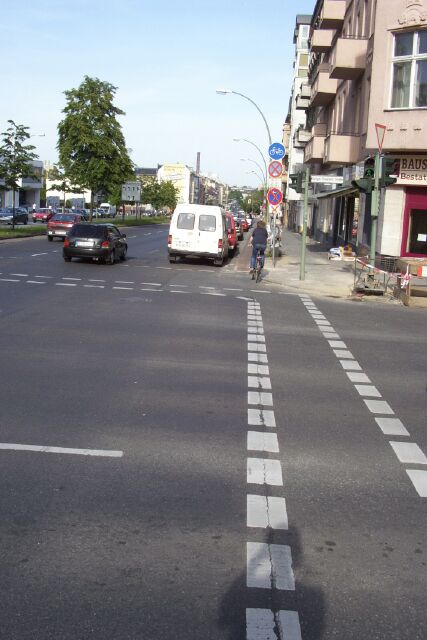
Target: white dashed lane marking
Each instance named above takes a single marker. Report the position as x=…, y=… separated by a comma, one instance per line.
x=269, y=566
x=82, y=452
x=261, y=441
x=266, y=511
x=263, y=624
x=260, y=398
x=261, y=417
x=406, y=452
x=264, y=471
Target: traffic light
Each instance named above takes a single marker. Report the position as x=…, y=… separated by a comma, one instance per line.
x=296, y=181
x=390, y=169
x=367, y=183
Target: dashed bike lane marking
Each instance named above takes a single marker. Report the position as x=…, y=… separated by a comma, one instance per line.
x=406, y=452
x=268, y=565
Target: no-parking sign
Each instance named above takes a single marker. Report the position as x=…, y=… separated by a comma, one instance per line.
x=274, y=196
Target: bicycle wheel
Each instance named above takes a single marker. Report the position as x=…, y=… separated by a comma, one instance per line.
x=258, y=274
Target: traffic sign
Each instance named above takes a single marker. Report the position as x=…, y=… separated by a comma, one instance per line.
x=275, y=182
x=275, y=169
x=326, y=179
x=131, y=192
x=380, y=129
x=276, y=151
x=274, y=196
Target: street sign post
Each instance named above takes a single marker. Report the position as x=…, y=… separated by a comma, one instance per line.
x=276, y=151
x=274, y=196
x=131, y=192
x=380, y=130
x=275, y=169
x=326, y=179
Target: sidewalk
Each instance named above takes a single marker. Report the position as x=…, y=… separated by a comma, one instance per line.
x=323, y=277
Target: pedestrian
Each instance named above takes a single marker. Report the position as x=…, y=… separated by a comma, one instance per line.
x=258, y=242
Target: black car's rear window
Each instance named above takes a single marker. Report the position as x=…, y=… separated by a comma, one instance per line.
x=88, y=231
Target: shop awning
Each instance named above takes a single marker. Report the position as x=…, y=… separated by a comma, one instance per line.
x=337, y=193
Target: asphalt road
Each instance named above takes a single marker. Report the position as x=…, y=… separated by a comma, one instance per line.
x=184, y=455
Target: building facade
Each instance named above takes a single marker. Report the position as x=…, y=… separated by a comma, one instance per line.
x=368, y=66
x=29, y=189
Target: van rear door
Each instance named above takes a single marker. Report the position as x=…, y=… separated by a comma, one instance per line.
x=210, y=231
x=186, y=235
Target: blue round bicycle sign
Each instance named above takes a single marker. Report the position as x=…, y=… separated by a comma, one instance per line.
x=276, y=151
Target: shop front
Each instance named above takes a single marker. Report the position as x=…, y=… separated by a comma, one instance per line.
x=413, y=176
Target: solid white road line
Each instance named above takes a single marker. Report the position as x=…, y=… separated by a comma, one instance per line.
x=259, y=382
x=391, y=426
x=261, y=441
x=258, y=369
x=266, y=511
x=259, y=397
x=419, y=480
x=409, y=452
x=269, y=566
x=261, y=417
x=379, y=406
x=368, y=390
x=264, y=471
x=263, y=624
x=82, y=452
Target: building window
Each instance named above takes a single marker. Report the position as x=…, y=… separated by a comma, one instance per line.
x=409, y=70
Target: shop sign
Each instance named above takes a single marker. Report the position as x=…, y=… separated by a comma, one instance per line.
x=413, y=170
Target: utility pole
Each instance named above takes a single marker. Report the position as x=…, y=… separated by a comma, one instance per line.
x=304, y=225
x=375, y=205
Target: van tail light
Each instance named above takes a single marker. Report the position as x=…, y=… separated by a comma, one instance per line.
x=220, y=244
x=169, y=239
x=105, y=244
x=66, y=242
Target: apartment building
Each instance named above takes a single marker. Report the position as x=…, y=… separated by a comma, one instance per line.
x=29, y=189
x=300, y=95
x=368, y=66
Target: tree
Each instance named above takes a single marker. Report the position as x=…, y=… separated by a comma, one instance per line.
x=168, y=195
x=15, y=159
x=253, y=201
x=235, y=194
x=160, y=195
x=62, y=183
x=91, y=144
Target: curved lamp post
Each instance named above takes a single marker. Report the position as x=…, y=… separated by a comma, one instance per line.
x=259, y=167
x=224, y=92
x=256, y=147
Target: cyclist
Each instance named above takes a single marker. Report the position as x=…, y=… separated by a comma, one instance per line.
x=258, y=242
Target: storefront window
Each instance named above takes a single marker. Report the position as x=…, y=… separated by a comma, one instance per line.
x=417, y=236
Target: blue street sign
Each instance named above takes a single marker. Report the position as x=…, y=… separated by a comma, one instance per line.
x=276, y=151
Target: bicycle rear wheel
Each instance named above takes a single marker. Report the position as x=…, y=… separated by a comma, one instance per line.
x=258, y=274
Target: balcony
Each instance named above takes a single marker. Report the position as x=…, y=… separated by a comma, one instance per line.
x=314, y=149
x=348, y=58
x=341, y=149
x=301, y=137
x=302, y=103
x=323, y=89
x=305, y=91
x=321, y=40
x=332, y=14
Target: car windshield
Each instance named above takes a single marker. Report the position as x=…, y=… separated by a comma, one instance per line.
x=88, y=230
x=64, y=217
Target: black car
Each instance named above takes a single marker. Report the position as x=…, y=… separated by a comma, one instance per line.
x=7, y=217
x=101, y=242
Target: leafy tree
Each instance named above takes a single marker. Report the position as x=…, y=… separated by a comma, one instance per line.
x=15, y=159
x=160, y=195
x=235, y=194
x=91, y=144
x=62, y=183
x=168, y=195
x=253, y=201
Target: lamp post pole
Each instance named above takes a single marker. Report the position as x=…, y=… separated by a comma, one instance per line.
x=257, y=148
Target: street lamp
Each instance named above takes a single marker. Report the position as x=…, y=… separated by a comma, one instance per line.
x=259, y=167
x=256, y=147
x=224, y=92
x=257, y=174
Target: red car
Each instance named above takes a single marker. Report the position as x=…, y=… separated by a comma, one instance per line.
x=231, y=232
x=59, y=225
x=42, y=215
x=244, y=223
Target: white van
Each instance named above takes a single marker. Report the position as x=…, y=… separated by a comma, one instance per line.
x=198, y=230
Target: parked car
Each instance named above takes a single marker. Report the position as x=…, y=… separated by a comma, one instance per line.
x=244, y=223
x=231, y=232
x=100, y=242
x=7, y=217
x=61, y=223
x=239, y=230
x=42, y=215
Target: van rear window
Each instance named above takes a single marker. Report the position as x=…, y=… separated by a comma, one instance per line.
x=185, y=221
x=207, y=223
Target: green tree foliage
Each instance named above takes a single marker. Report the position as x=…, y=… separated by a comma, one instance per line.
x=15, y=159
x=235, y=194
x=91, y=144
x=253, y=201
x=159, y=195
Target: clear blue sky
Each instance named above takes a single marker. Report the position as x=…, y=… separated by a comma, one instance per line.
x=166, y=59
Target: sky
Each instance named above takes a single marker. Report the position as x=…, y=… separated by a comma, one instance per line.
x=166, y=59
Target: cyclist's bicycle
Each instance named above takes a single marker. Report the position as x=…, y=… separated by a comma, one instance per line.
x=256, y=273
